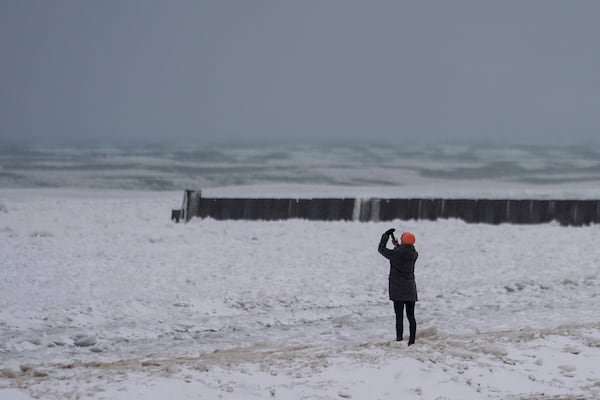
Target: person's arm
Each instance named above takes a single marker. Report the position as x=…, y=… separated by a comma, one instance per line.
x=383, y=250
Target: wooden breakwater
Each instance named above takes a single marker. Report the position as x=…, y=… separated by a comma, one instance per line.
x=491, y=211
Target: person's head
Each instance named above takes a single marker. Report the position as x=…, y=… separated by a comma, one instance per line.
x=407, y=238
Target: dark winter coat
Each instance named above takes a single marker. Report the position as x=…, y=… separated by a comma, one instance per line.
x=402, y=270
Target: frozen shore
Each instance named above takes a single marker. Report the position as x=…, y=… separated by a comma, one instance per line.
x=101, y=296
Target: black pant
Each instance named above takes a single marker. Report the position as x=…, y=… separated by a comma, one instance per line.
x=410, y=314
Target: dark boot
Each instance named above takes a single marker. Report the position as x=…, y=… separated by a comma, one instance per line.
x=399, y=334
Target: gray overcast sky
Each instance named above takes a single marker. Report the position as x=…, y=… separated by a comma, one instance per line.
x=221, y=71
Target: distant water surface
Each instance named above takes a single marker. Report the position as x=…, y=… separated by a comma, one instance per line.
x=174, y=169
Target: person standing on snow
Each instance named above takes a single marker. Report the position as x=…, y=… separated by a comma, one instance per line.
x=402, y=286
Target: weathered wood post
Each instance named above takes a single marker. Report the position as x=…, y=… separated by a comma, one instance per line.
x=175, y=215
x=191, y=204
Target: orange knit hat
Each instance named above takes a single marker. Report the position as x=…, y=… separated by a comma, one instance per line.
x=407, y=238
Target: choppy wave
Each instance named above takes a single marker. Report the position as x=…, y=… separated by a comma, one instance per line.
x=174, y=169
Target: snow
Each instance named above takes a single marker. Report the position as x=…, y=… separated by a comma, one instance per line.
x=103, y=297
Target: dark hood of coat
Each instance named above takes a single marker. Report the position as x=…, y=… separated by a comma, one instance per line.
x=407, y=252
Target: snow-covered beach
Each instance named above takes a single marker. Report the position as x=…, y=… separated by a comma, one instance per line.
x=447, y=112
x=101, y=296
